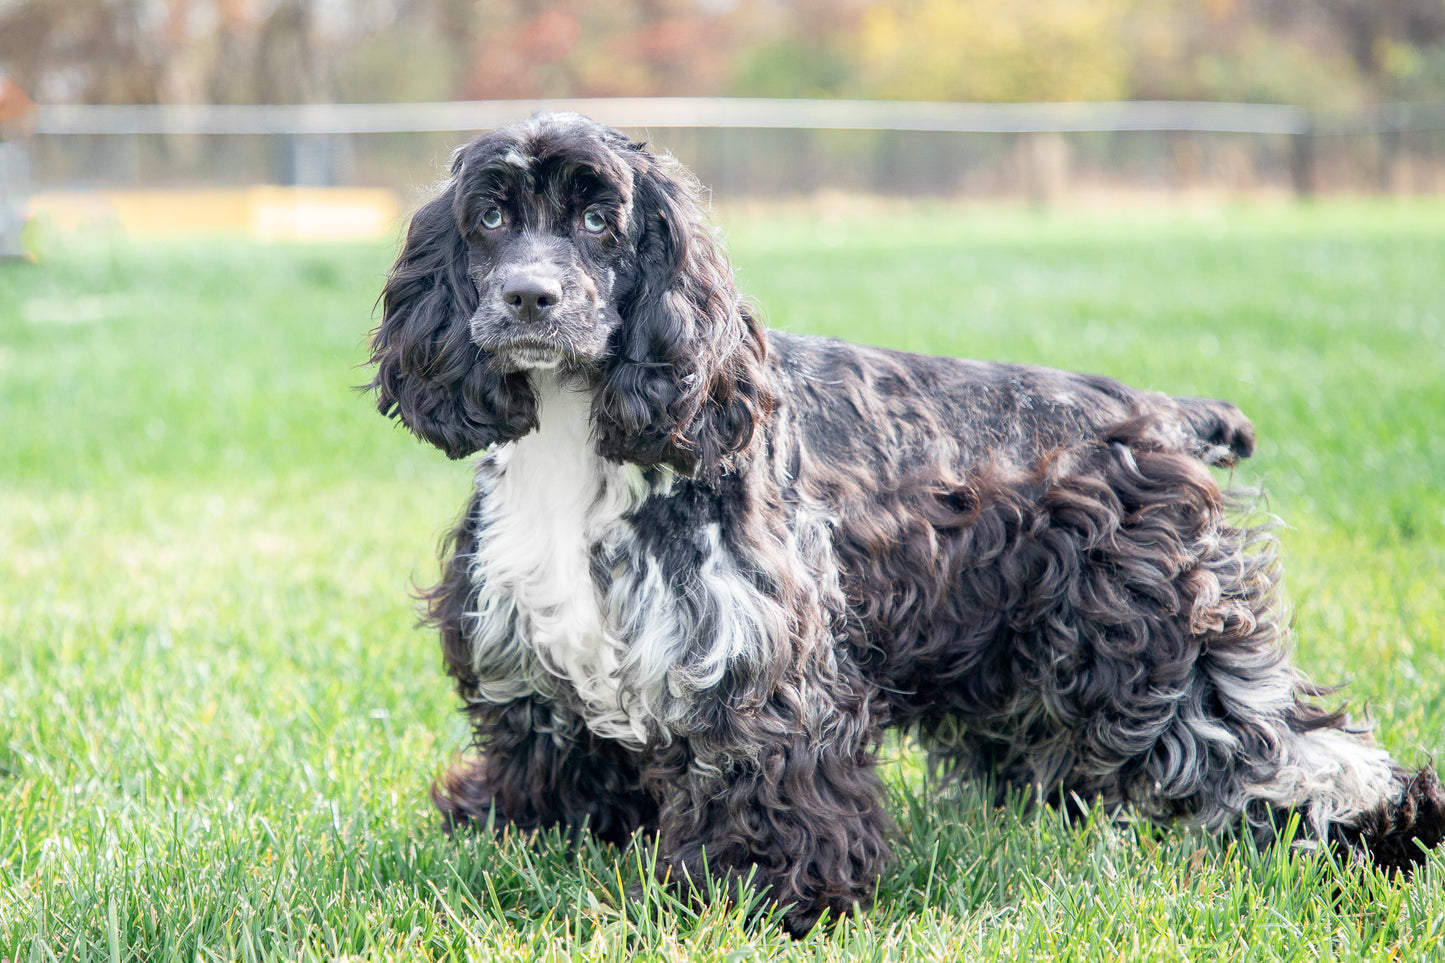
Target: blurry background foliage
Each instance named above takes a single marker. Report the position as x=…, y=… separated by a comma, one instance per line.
x=1316, y=53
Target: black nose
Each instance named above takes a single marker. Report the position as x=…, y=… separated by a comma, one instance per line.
x=531, y=297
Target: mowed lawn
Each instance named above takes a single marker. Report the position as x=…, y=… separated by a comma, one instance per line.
x=218, y=720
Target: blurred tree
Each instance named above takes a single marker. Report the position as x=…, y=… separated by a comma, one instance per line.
x=559, y=48
x=286, y=66
x=404, y=63
x=792, y=67
x=90, y=50
x=1230, y=50
x=1392, y=41
x=1312, y=52
x=805, y=48
x=1371, y=27
x=984, y=50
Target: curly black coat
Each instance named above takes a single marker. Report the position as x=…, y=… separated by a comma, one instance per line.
x=706, y=565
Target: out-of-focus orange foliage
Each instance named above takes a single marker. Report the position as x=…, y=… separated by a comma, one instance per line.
x=581, y=48
x=507, y=55
x=1313, y=52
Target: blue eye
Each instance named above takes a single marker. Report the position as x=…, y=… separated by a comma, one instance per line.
x=593, y=222
x=492, y=218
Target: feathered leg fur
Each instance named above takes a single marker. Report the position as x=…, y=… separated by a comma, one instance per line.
x=536, y=767
x=782, y=795
x=1128, y=649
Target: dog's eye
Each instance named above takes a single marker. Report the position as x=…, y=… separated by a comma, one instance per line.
x=593, y=222
x=492, y=218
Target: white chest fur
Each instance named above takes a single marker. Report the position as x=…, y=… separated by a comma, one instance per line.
x=549, y=500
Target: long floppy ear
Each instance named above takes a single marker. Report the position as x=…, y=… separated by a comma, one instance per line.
x=428, y=372
x=683, y=385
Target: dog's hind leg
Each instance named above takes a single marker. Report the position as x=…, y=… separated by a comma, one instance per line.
x=1252, y=762
x=1246, y=737
x=1127, y=648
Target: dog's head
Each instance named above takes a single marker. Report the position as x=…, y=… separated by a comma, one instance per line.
x=561, y=244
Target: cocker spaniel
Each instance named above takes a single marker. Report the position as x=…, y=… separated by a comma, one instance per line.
x=706, y=565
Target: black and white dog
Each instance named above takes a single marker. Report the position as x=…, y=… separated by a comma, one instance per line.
x=706, y=565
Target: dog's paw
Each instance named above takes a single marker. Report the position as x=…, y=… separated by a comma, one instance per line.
x=463, y=798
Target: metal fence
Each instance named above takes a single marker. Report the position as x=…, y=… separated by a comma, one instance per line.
x=772, y=148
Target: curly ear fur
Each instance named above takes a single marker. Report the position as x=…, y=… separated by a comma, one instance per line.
x=682, y=385
x=428, y=372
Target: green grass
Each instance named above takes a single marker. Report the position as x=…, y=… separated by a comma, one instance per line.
x=218, y=720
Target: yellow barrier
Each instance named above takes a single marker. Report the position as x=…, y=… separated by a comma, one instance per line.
x=273, y=213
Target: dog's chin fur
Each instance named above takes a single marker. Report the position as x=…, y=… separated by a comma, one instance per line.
x=705, y=567
x=532, y=359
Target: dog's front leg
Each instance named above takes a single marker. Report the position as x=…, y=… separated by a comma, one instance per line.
x=781, y=796
x=538, y=766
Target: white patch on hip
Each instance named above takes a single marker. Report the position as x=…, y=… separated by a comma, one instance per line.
x=1334, y=776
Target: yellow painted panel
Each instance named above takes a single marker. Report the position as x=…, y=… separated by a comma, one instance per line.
x=276, y=213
